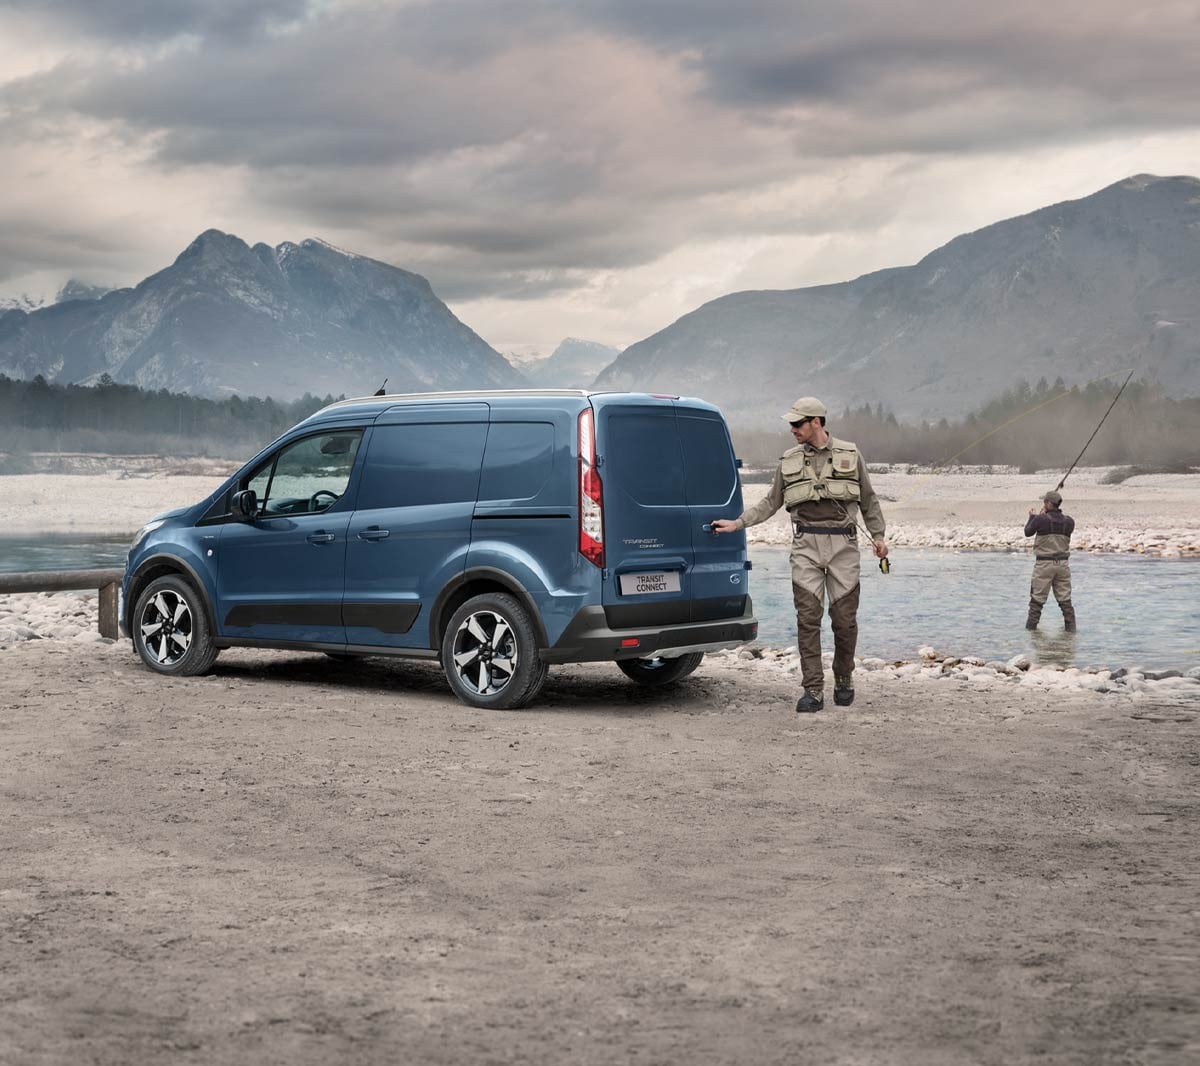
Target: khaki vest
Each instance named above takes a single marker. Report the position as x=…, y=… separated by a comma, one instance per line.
x=839, y=475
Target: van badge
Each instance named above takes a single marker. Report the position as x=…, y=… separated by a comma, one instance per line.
x=735, y=579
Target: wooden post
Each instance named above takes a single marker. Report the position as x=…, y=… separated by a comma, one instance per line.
x=108, y=610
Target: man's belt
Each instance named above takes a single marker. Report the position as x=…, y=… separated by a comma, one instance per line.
x=1058, y=557
x=837, y=531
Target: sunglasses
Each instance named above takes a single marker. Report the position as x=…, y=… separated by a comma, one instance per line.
x=803, y=421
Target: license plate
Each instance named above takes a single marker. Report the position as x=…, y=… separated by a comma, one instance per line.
x=643, y=584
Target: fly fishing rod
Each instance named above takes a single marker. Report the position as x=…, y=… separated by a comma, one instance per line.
x=1094, y=431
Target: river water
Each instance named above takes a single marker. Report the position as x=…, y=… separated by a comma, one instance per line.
x=1133, y=609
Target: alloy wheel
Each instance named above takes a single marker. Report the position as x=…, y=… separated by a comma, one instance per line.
x=485, y=652
x=166, y=627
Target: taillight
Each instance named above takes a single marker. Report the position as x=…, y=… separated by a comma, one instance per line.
x=591, y=494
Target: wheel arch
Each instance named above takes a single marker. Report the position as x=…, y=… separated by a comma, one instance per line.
x=476, y=582
x=163, y=566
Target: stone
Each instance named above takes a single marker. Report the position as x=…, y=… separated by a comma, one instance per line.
x=1020, y=662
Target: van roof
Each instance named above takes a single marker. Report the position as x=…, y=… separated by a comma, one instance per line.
x=368, y=404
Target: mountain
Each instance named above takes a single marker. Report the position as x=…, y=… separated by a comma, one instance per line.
x=1076, y=290
x=226, y=317
x=75, y=289
x=572, y=365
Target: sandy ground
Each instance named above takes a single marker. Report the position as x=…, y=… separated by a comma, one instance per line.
x=297, y=861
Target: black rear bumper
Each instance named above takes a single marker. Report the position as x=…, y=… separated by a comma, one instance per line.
x=588, y=637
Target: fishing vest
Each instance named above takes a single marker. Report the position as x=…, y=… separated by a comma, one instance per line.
x=1057, y=543
x=838, y=478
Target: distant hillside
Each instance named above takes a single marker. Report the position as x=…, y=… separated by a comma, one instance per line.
x=1073, y=290
x=229, y=318
x=574, y=364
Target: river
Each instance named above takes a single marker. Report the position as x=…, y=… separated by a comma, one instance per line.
x=1133, y=609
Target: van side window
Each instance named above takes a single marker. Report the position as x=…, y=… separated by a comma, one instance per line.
x=409, y=465
x=518, y=461
x=708, y=456
x=307, y=476
x=643, y=457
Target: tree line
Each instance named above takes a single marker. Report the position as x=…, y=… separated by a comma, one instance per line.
x=1031, y=427
x=108, y=418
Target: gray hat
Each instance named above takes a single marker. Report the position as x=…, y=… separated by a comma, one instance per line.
x=1052, y=498
x=805, y=407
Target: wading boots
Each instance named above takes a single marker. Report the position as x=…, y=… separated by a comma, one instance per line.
x=843, y=690
x=810, y=703
x=1068, y=610
x=1035, y=614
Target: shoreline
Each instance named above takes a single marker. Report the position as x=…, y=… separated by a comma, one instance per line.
x=70, y=617
x=1153, y=515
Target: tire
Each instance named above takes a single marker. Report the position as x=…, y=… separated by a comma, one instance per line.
x=170, y=628
x=490, y=653
x=658, y=671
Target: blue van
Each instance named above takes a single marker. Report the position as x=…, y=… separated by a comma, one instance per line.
x=497, y=532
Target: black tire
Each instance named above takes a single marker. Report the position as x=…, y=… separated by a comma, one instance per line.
x=170, y=628
x=490, y=653
x=659, y=671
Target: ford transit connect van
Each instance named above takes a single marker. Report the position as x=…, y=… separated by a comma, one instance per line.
x=496, y=532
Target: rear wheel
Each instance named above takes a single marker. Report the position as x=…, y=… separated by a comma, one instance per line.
x=658, y=670
x=490, y=653
x=170, y=628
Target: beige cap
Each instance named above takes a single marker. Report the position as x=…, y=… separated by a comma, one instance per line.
x=805, y=407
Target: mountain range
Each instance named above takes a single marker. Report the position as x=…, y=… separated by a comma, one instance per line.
x=1077, y=290
x=229, y=318
x=1080, y=289
x=574, y=364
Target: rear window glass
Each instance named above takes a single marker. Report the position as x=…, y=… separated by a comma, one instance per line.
x=708, y=456
x=410, y=465
x=518, y=461
x=643, y=458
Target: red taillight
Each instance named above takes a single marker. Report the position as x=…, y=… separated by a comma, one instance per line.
x=591, y=494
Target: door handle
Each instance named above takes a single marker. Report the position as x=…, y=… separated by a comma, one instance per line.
x=320, y=538
x=374, y=533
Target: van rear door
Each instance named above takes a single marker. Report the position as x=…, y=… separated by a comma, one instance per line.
x=647, y=536
x=713, y=490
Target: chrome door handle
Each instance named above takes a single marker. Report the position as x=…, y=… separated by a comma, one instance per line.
x=374, y=533
x=320, y=538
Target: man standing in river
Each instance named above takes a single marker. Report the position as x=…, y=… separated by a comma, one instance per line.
x=823, y=482
x=1051, y=531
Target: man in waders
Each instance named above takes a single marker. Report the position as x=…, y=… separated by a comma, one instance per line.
x=823, y=483
x=1051, y=531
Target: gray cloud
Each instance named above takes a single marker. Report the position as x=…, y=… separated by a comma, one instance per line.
x=514, y=149
x=124, y=20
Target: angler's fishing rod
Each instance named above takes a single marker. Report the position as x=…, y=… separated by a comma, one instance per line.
x=1094, y=432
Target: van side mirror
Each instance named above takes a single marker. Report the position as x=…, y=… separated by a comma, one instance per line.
x=244, y=505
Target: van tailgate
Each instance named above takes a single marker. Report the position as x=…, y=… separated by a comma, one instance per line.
x=647, y=523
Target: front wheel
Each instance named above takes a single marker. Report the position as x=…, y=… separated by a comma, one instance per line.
x=490, y=653
x=170, y=628
x=657, y=671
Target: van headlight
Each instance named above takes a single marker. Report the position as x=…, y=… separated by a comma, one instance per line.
x=145, y=531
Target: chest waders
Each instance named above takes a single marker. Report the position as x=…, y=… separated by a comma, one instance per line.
x=1051, y=571
x=825, y=561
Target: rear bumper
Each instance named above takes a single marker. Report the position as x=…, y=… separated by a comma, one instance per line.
x=588, y=638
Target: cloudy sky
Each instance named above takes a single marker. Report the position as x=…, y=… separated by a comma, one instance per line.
x=593, y=168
